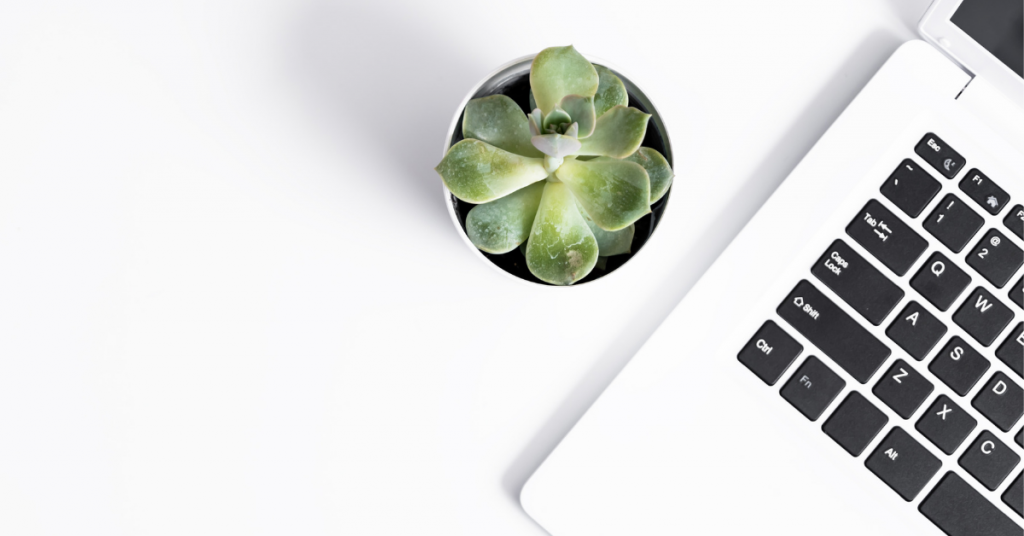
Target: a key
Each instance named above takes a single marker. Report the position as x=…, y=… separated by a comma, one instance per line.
x=940, y=281
x=902, y=463
x=959, y=366
x=953, y=223
x=886, y=237
x=1000, y=401
x=1014, y=221
x=1011, y=351
x=1017, y=293
x=983, y=316
x=902, y=388
x=855, y=423
x=996, y=258
x=916, y=330
x=989, y=460
x=770, y=352
x=939, y=155
x=945, y=424
x=1014, y=495
x=959, y=510
x=987, y=194
x=910, y=188
x=812, y=388
x=859, y=284
x=829, y=328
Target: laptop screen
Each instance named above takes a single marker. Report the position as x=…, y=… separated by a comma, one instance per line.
x=997, y=25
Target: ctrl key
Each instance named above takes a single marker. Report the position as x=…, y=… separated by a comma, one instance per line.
x=902, y=463
x=770, y=352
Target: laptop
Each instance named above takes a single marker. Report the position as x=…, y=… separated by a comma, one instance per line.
x=852, y=363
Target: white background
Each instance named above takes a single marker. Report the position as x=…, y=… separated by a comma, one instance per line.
x=232, y=300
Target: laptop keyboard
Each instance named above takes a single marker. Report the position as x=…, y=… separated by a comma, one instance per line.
x=964, y=250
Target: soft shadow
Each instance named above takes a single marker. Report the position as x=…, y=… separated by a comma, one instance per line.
x=910, y=11
x=851, y=76
x=385, y=87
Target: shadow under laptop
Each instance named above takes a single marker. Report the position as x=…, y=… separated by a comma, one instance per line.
x=851, y=76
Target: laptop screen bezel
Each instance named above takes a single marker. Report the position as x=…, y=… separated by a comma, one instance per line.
x=937, y=28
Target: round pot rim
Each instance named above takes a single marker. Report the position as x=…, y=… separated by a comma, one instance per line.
x=455, y=124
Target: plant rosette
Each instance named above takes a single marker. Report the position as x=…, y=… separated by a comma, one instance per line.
x=553, y=171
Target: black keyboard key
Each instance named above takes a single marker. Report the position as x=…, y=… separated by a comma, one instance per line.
x=983, y=316
x=989, y=460
x=1000, y=401
x=953, y=223
x=770, y=352
x=916, y=330
x=902, y=463
x=855, y=423
x=939, y=155
x=902, y=388
x=1014, y=495
x=829, y=328
x=940, y=281
x=886, y=237
x=1019, y=438
x=945, y=424
x=959, y=510
x=859, y=284
x=910, y=188
x=1011, y=351
x=812, y=388
x=987, y=194
x=1014, y=221
x=1017, y=293
x=959, y=366
x=996, y=258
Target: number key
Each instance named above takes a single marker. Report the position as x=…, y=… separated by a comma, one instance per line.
x=996, y=258
x=910, y=188
x=953, y=223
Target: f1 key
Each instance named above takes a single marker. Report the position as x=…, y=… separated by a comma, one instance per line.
x=987, y=194
x=939, y=155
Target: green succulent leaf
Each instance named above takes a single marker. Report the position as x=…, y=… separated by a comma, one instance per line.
x=560, y=71
x=657, y=169
x=499, y=121
x=556, y=118
x=618, y=133
x=501, y=225
x=477, y=172
x=614, y=193
x=533, y=102
x=581, y=110
x=611, y=242
x=611, y=92
x=561, y=249
x=556, y=145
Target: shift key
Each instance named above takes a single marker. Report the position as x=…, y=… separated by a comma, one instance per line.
x=886, y=237
x=833, y=331
x=858, y=283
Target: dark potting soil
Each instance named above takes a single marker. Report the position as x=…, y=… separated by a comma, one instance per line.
x=513, y=262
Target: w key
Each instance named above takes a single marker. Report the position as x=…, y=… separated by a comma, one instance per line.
x=858, y=283
x=983, y=316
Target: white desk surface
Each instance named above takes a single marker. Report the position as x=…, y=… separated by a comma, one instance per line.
x=231, y=297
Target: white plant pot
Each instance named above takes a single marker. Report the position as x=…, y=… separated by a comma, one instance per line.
x=508, y=79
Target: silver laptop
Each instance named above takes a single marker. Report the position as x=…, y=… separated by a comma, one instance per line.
x=852, y=363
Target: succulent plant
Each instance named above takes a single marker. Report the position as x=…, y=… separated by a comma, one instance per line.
x=566, y=181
